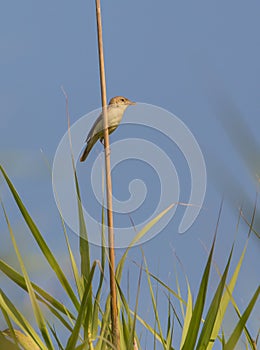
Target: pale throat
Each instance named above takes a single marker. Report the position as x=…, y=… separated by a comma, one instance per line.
x=116, y=112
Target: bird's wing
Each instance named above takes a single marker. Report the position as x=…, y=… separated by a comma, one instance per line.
x=96, y=127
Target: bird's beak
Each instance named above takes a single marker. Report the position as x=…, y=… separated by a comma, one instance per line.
x=132, y=103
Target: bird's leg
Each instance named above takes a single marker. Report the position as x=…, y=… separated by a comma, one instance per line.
x=103, y=143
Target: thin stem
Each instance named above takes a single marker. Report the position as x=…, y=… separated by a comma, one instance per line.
x=114, y=316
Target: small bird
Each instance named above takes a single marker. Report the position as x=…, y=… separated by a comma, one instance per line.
x=115, y=111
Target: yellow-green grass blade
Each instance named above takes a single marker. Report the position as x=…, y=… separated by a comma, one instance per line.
x=206, y=332
x=7, y=344
x=95, y=320
x=106, y=343
x=170, y=326
x=82, y=347
x=19, y=320
x=52, y=303
x=155, y=328
x=248, y=335
x=83, y=242
x=96, y=306
x=179, y=291
x=41, y=242
x=54, y=312
x=55, y=336
x=162, y=340
x=195, y=321
x=223, y=341
x=123, y=302
x=77, y=278
x=188, y=315
x=175, y=312
x=137, y=238
x=105, y=332
x=39, y=317
x=148, y=327
x=227, y=296
x=126, y=325
x=85, y=257
x=9, y=327
x=84, y=246
x=176, y=294
x=169, y=338
x=24, y=340
x=136, y=303
x=125, y=333
x=71, y=344
x=76, y=274
x=74, y=267
x=233, y=339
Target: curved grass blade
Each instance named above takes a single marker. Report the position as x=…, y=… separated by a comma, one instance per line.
x=171, y=291
x=105, y=333
x=170, y=326
x=195, y=321
x=84, y=246
x=96, y=306
x=39, y=317
x=125, y=342
x=77, y=278
x=41, y=242
x=85, y=257
x=227, y=296
x=137, y=238
x=162, y=340
x=19, y=320
x=42, y=295
x=247, y=334
x=148, y=327
x=24, y=340
x=128, y=326
x=188, y=315
x=179, y=290
x=55, y=336
x=136, y=304
x=233, y=339
x=10, y=328
x=71, y=344
x=76, y=274
x=7, y=344
x=206, y=332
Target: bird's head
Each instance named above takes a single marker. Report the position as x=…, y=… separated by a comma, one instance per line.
x=119, y=101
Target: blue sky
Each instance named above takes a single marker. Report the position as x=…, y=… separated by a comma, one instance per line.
x=199, y=60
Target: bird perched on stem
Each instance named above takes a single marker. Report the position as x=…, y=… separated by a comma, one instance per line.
x=115, y=111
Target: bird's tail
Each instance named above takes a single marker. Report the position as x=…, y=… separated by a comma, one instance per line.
x=86, y=151
x=88, y=148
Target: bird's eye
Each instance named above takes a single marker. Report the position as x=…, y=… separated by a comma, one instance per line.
x=122, y=99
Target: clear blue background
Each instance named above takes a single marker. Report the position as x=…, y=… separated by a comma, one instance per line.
x=200, y=60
